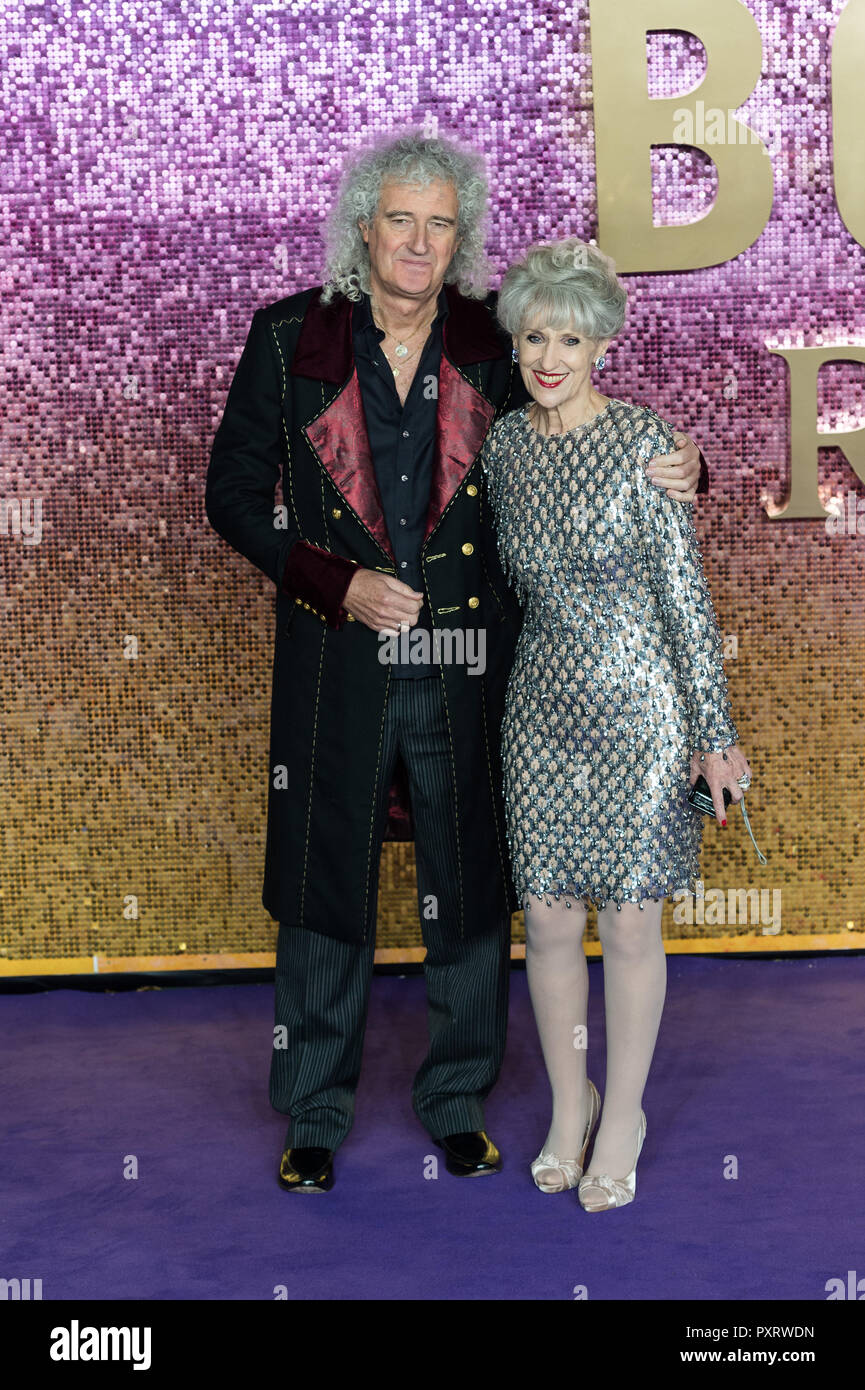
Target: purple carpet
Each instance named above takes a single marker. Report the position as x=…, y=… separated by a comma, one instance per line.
x=758, y=1061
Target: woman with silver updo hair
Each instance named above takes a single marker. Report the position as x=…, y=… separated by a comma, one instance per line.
x=617, y=701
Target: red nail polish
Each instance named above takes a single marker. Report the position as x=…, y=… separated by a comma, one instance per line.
x=723, y=822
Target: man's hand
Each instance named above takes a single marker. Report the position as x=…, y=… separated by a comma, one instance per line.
x=678, y=473
x=382, y=603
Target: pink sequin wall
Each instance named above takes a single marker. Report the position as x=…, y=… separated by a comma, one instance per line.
x=166, y=169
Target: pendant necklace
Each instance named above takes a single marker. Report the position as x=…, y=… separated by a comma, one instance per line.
x=393, y=368
x=401, y=349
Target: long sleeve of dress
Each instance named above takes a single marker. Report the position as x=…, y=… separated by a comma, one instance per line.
x=487, y=460
x=679, y=583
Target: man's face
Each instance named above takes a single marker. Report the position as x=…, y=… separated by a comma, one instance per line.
x=412, y=238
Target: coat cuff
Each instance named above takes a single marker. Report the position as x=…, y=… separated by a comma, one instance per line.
x=317, y=579
x=703, y=484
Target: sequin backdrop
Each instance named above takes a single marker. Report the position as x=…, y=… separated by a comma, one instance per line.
x=166, y=169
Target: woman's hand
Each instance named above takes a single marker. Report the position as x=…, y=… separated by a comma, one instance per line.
x=722, y=772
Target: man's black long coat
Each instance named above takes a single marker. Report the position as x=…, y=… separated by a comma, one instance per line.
x=294, y=414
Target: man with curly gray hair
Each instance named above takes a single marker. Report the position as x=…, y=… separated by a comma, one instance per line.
x=410, y=158
x=369, y=399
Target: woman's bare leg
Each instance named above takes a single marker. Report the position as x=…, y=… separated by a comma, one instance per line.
x=635, y=984
x=559, y=987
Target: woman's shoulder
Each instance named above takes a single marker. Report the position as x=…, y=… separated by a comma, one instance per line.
x=643, y=426
x=499, y=435
x=507, y=423
x=639, y=417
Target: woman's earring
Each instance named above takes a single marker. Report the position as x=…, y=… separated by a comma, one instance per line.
x=601, y=363
x=515, y=356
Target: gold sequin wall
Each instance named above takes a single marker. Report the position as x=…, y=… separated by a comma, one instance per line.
x=167, y=169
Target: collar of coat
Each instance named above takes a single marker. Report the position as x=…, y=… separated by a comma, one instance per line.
x=338, y=433
x=324, y=343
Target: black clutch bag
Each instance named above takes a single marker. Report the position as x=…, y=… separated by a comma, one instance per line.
x=701, y=798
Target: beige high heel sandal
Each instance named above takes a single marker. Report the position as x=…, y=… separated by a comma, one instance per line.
x=570, y=1170
x=611, y=1192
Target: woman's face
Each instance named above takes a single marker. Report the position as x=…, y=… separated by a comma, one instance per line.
x=555, y=363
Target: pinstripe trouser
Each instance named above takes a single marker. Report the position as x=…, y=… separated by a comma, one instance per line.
x=322, y=984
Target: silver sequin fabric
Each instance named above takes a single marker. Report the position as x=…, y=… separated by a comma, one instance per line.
x=618, y=671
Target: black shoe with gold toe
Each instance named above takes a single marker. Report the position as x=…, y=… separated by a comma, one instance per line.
x=306, y=1170
x=470, y=1155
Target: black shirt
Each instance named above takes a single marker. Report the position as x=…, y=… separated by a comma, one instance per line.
x=402, y=440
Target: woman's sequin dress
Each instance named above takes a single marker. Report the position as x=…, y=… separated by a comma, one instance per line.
x=618, y=675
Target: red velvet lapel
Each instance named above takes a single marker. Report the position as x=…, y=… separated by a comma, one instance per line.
x=339, y=437
x=338, y=434
x=462, y=421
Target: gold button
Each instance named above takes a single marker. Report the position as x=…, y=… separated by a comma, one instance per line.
x=467, y=548
x=473, y=602
x=351, y=617
x=472, y=490
x=337, y=513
